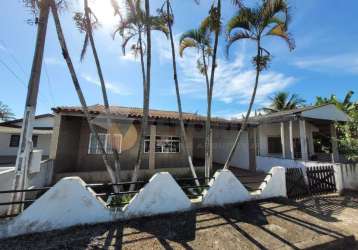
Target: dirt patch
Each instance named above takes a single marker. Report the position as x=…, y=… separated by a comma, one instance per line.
x=275, y=224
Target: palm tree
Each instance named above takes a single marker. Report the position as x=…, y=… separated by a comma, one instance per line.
x=77, y=86
x=201, y=40
x=168, y=16
x=136, y=25
x=5, y=112
x=283, y=101
x=271, y=18
x=85, y=24
x=346, y=105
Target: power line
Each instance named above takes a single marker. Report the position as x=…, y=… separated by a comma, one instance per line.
x=13, y=56
x=21, y=81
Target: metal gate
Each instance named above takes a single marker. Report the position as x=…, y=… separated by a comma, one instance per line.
x=320, y=180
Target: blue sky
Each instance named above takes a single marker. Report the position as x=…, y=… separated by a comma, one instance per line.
x=325, y=60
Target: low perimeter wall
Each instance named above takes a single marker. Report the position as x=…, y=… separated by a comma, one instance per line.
x=71, y=203
x=346, y=175
x=41, y=178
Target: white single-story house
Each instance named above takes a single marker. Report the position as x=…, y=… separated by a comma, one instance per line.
x=288, y=135
x=10, y=137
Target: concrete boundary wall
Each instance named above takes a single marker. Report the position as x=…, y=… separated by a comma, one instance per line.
x=71, y=203
x=225, y=189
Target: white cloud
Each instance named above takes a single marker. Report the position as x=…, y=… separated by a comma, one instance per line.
x=345, y=62
x=53, y=61
x=234, y=80
x=113, y=87
x=2, y=48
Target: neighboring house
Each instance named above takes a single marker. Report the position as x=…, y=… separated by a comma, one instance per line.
x=287, y=134
x=10, y=137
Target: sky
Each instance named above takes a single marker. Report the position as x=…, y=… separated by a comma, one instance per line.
x=324, y=62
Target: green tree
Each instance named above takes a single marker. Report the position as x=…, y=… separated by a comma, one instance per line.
x=347, y=132
x=136, y=25
x=200, y=39
x=283, y=101
x=5, y=112
x=269, y=19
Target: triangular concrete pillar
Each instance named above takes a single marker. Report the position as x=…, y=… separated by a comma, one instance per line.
x=224, y=189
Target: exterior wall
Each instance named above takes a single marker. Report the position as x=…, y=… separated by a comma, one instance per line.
x=8, y=154
x=73, y=141
x=274, y=130
x=6, y=180
x=222, y=142
x=67, y=145
x=44, y=122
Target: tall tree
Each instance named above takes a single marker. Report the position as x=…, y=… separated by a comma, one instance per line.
x=168, y=15
x=346, y=105
x=348, y=132
x=5, y=112
x=138, y=24
x=201, y=40
x=283, y=101
x=271, y=18
x=78, y=89
x=85, y=23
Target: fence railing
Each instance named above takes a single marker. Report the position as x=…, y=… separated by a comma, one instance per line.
x=26, y=202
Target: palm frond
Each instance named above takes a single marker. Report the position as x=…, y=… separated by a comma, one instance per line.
x=243, y=19
x=187, y=43
x=159, y=24
x=238, y=35
x=280, y=31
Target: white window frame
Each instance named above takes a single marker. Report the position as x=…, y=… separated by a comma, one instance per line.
x=167, y=140
x=106, y=143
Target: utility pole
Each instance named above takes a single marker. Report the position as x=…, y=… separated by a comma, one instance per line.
x=25, y=146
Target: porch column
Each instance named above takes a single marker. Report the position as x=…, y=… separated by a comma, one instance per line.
x=334, y=143
x=292, y=153
x=153, y=133
x=283, y=140
x=303, y=140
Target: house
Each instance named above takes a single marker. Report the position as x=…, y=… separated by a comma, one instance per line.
x=10, y=137
x=283, y=135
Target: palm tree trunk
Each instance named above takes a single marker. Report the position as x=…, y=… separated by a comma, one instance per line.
x=77, y=86
x=23, y=155
x=144, y=118
x=207, y=123
x=175, y=76
x=244, y=125
x=104, y=91
x=146, y=93
x=210, y=97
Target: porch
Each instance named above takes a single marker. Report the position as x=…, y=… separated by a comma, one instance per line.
x=304, y=135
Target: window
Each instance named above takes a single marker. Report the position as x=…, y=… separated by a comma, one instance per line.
x=14, y=141
x=274, y=145
x=35, y=139
x=163, y=144
x=109, y=142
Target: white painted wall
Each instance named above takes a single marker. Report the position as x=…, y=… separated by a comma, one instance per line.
x=274, y=184
x=70, y=203
x=273, y=130
x=44, y=122
x=159, y=196
x=67, y=204
x=43, y=143
x=6, y=179
x=224, y=189
x=43, y=178
x=222, y=143
x=346, y=176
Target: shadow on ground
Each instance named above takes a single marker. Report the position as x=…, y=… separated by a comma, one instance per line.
x=273, y=224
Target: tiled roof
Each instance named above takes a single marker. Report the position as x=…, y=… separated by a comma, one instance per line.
x=131, y=112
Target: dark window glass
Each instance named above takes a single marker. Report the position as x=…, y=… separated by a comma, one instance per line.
x=35, y=139
x=14, y=141
x=274, y=145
